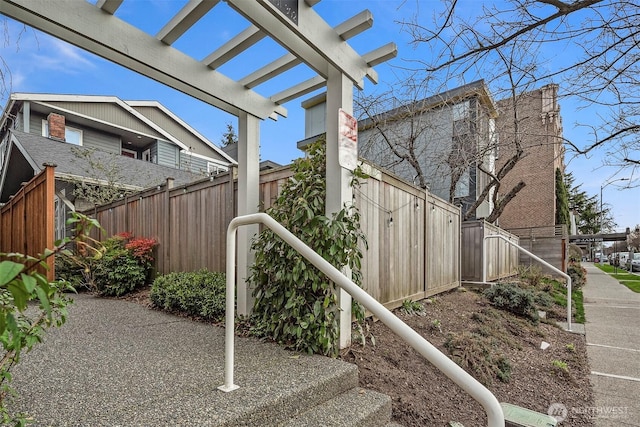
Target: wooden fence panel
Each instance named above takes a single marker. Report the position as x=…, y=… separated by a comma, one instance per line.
x=442, y=257
x=502, y=258
x=548, y=243
x=27, y=220
x=413, y=246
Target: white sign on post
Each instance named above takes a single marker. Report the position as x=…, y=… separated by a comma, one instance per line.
x=347, y=140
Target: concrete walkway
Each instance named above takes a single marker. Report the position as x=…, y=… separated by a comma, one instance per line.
x=116, y=363
x=613, y=346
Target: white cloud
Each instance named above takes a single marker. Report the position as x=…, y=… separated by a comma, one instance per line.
x=58, y=55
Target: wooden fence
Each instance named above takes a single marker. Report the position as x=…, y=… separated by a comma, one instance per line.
x=502, y=258
x=413, y=237
x=27, y=220
x=549, y=243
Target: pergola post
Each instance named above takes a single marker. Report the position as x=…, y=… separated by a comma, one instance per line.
x=248, y=201
x=339, y=192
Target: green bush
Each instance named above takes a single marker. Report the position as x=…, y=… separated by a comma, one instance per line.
x=295, y=304
x=118, y=273
x=531, y=275
x=199, y=293
x=510, y=297
x=69, y=271
x=114, y=267
x=578, y=275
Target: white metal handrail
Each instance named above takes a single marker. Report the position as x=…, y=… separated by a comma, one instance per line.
x=495, y=416
x=537, y=258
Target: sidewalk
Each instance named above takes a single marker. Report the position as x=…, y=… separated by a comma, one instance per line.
x=612, y=327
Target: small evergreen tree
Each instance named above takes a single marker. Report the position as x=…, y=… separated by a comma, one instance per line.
x=562, y=200
x=229, y=137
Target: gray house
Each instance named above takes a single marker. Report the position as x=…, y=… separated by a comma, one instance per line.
x=99, y=142
x=451, y=137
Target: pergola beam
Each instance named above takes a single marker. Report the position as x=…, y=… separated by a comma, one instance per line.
x=234, y=47
x=191, y=13
x=299, y=90
x=279, y=66
x=312, y=40
x=83, y=24
x=381, y=54
x=109, y=6
x=355, y=25
x=346, y=30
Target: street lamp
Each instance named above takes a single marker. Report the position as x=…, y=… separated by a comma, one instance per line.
x=602, y=215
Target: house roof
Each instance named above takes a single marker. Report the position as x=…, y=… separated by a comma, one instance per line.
x=27, y=153
x=475, y=89
x=147, y=118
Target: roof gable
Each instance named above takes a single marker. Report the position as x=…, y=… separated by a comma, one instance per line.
x=28, y=152
x=149, y=118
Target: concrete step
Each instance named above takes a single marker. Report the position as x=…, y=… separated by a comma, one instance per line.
x=294, y=393
x=355, y=408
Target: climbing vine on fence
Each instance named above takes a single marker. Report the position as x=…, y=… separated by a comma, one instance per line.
x=295, y=304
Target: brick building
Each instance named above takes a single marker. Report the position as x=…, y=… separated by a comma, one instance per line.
x=540, y=132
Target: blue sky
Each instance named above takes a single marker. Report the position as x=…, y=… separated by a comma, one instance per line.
x=39, y=63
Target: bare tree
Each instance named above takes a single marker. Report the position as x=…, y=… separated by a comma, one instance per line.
x=408, y=137
x=101, y=179
x=601, y=65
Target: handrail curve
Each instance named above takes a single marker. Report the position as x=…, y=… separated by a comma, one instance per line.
x=495, y=416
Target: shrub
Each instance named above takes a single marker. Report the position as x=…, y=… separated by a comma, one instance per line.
x=412, y=308
x=295, y=304
x=543, y=300
x=200, y=293
x=532, y=275
x=578, y=275
x=122, y=264
x=69, y=271
x=510, y=297
x=117, y=273
x=478, y=356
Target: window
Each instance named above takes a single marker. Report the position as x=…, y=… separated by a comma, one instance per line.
x=71, y=135
x=129, y=153
x=463, y=185
x=460, y=110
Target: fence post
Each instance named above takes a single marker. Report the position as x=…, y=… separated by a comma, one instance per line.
x=49, y=226
x=166, y=229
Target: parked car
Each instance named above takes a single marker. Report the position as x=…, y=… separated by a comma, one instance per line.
x=633, y=264
x=620, y=259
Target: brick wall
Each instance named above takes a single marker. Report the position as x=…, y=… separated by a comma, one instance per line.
x=539, y=127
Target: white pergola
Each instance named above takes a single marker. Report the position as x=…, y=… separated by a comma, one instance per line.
x=293, y=24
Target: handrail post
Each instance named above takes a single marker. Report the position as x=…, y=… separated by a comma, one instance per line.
x=493, y=409
x=535, y=257
x=229, y=325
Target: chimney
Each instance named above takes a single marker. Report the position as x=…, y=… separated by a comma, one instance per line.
x=56, y=126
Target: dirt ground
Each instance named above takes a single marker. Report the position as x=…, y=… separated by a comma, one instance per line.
x=422, y=396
